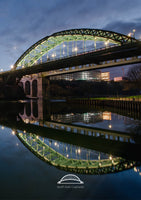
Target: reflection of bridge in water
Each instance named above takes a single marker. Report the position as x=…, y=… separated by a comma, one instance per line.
x=33, y=113
x=44, y=150
x=74, y=148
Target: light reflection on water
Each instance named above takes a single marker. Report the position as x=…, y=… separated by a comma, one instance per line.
x=105, y=120
x=20, y=168
x=73, y=151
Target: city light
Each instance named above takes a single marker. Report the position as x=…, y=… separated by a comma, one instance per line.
x=110, y=157
x=106, y=116
x=134, y=30
x=26, y=121
x=129, y=34
x=110, y=126
x=135, y=169
x=11, y=66
x=75, y=49
x=13, y=132
x=106, y=43
x=79, y=151
x=53, y=55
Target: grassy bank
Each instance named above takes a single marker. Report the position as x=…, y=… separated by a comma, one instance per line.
x=113, y=98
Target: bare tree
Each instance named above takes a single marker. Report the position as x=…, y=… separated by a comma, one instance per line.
x=134, y=76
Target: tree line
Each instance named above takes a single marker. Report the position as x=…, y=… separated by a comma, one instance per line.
x=131, y=85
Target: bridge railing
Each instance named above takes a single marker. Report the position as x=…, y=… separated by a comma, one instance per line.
x=110, y=135
x=78, y=53
x=85, y=52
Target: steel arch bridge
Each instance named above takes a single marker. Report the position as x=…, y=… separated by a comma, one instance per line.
x=43, y=151
x=43, y=46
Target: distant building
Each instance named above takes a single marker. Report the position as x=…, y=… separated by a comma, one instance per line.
x=79, y=117
x=118, y=79
x=105, y=76
x=93, y=75
x=107, y=115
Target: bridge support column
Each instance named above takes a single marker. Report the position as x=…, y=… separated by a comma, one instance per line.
x=31, y=90
x=40, y=87
x=27, y=86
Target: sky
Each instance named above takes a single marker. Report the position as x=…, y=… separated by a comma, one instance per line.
x=24, y=22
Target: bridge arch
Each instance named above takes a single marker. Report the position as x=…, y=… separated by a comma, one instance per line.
x=46, y=44
x=38, y=146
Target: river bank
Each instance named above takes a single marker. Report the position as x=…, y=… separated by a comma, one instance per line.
x=130, y=104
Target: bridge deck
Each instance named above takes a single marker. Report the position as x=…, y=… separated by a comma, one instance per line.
x=98, y=57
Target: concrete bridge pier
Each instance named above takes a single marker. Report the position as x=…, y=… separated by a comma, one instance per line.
x=33, y=85
x=33, y=112
x=36, y=86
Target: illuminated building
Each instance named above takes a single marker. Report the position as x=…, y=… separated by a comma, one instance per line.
x=105, y=76
x=118, y=79
x=107, y=115
x=93, y=75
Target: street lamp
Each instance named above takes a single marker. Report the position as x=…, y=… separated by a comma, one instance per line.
x=79, y=151
x=64, y=49
x=53, y=55
x=13, y=132
x=11, y=66
x=75, y=49
x=129, y=34
x=95, y=43
x=110, y=126
x=134, y=30
x=110, y=157
x=106, y=43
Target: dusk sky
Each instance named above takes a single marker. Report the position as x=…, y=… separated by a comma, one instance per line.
x=24, y=22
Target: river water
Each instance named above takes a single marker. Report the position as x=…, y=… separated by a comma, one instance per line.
x=42, y=142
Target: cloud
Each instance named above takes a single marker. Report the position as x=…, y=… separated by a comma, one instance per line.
x=125, y=27
x=25, y=22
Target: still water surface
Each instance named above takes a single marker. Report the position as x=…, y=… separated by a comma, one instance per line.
x=26, y=176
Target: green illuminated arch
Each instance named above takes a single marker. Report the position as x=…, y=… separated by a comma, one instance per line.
x=40, y=48
x=49, y=155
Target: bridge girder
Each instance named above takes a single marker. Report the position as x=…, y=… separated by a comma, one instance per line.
x=40, y=48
